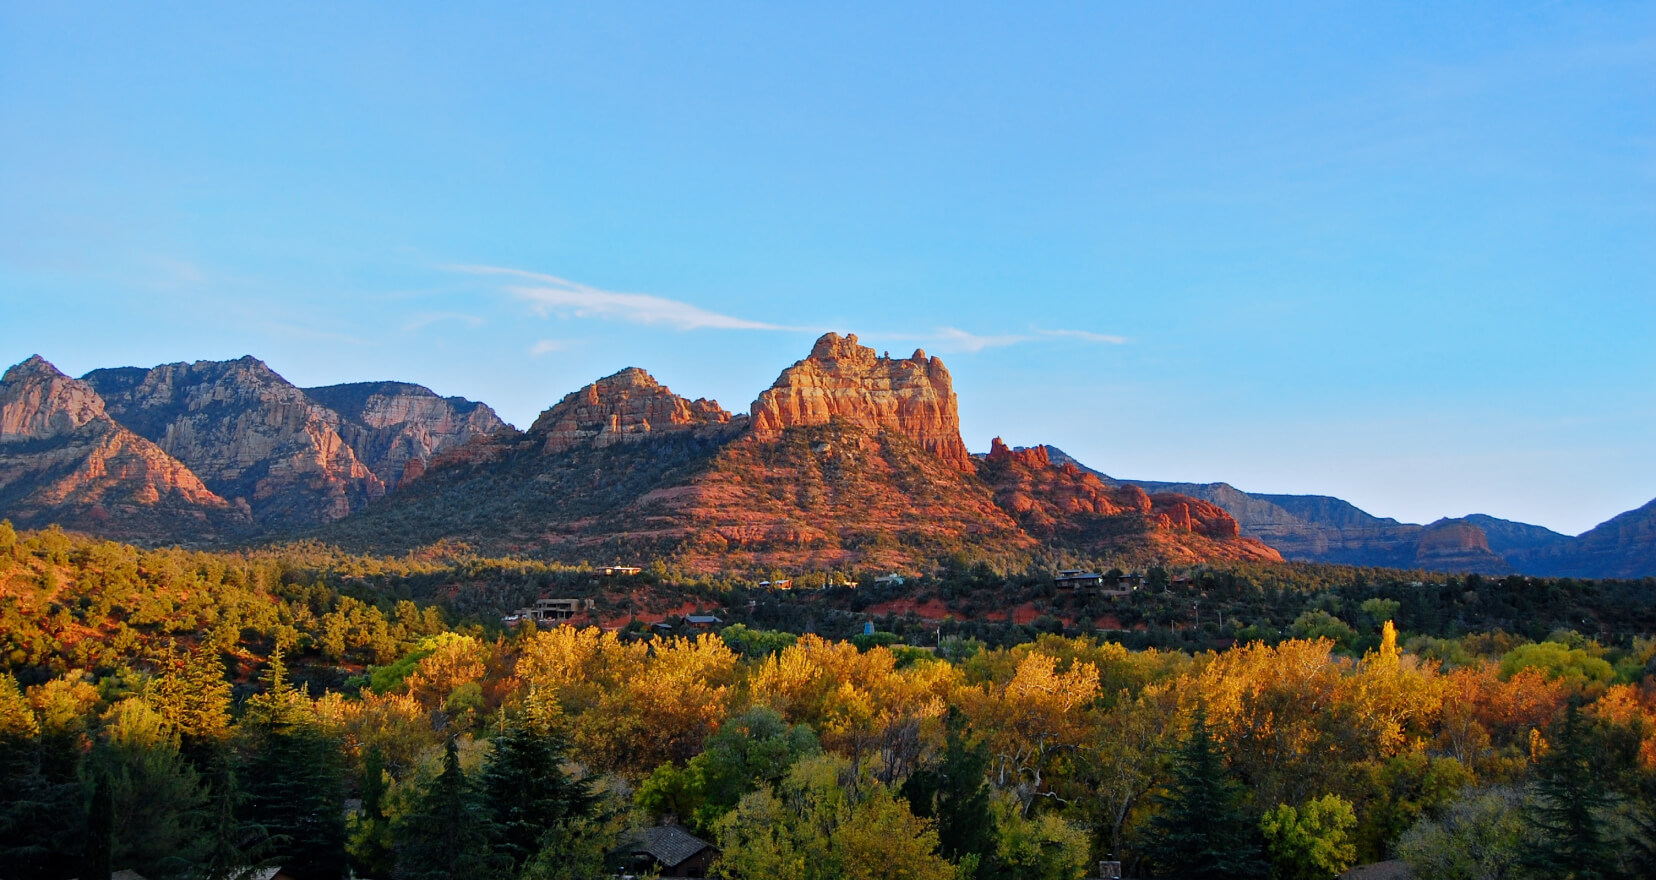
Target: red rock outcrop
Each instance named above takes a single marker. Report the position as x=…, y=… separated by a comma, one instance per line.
x=64, y=460
x=397, y=428
x=1067, y=503
x=248, y=433
x=843, y=380
x=627, y=407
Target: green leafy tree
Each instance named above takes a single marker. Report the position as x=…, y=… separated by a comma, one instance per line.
x=1311, y=841
x=1477, y=837
x=1201, y=831
x=369, y=830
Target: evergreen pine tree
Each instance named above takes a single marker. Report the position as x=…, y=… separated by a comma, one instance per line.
x=1201, y=831
x=43, y=819
x=1566, y=818
x=446, y=837
x=295, y=785
x=100, y=833
x=370, y=844
x=232, y=847
x=524, y=787
x=955, y=794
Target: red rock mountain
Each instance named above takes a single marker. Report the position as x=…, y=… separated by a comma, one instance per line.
x=847, y=381
x=64, y=460
x=1063, y=503
x=849, y=459
x=627, y=407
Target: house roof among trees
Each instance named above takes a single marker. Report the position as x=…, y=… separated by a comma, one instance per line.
x=667, y=844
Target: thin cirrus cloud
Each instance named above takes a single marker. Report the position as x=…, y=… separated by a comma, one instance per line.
x=956, y=339
x=547, y=346
x=426, y=319
x=1086, y=336
x=550, y=295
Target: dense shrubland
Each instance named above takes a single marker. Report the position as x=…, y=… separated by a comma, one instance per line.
x=187, y=714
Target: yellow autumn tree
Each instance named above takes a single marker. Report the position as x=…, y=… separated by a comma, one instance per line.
x=1033, y=722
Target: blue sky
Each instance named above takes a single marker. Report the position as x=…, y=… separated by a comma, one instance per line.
x=1400, y=253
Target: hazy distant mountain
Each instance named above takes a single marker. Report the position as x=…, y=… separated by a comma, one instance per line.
x=1322, y=528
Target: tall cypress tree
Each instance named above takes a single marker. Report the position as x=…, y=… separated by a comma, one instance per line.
x=524, y=787
x=1570, y=802
x=447, y=835
x=1201, y=831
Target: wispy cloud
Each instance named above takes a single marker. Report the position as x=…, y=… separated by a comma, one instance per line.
x=426, y=319
x=1086, y=335
x=551, y=295
x=547, y=346
x=959, y=340
x=954, y=339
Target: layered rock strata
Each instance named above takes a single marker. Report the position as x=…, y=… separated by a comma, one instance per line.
x=247, y=433
x=841, y=379
x=396, y=428
x=626, y=407
x=64, y=460
x=1068, y=504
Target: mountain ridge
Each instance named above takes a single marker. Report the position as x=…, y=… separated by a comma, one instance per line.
x=1322, y=528
x=837, y=462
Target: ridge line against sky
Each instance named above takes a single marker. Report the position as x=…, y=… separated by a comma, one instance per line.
x=1399, y=255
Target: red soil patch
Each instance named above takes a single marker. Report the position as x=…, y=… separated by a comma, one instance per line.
x=931, y=609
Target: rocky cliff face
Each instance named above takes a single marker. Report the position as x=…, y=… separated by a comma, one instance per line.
x=627, y=407
x=1067, y=504
x=396, y=428
x=841, y=379
x=64, y=460
x=247, y=433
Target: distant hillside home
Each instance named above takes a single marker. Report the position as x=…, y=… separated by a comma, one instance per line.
x=1070, y=578
x=889, y=580
x=612, y=570
x=550, y=610
x=667, y=849
x=701, y=621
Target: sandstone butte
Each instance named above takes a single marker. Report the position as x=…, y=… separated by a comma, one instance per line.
x=844, y=380
x=627, y=407
x=63, y=459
